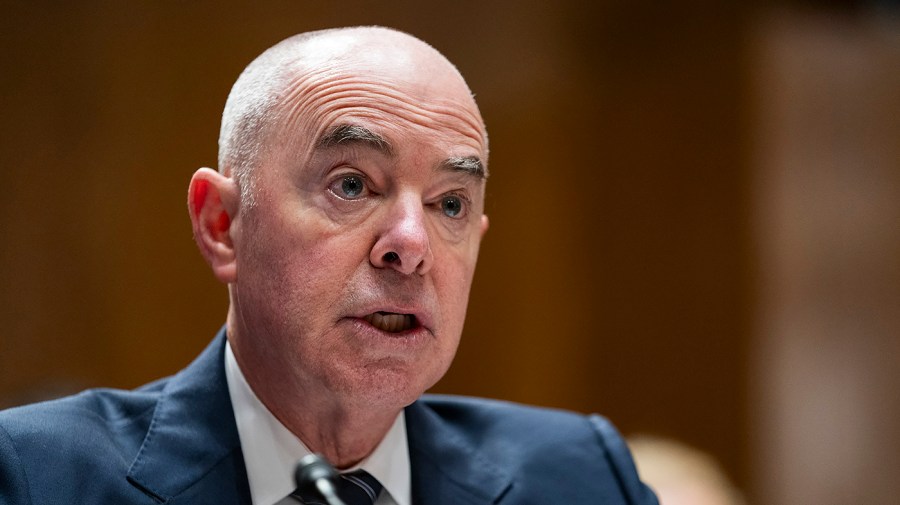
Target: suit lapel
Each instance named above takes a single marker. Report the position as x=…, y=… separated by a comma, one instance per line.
x=446, y=468
x=191, y=453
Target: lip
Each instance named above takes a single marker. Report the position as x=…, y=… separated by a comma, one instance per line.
x=422, y=317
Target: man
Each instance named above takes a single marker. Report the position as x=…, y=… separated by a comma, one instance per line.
x=345, y=218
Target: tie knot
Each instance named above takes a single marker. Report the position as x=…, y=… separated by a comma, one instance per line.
x=353, y=488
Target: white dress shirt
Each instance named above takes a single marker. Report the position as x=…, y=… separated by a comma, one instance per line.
x=271, y=450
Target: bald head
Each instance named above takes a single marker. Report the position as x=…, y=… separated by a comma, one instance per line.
x=284, y=80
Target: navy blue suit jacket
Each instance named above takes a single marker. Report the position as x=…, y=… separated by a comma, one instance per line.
x=175, y=441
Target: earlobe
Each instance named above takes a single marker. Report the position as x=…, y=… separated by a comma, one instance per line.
x=213, y=202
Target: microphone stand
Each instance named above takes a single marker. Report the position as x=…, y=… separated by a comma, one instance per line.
x=313, y=472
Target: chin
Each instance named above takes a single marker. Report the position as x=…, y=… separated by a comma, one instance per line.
x=389, y=388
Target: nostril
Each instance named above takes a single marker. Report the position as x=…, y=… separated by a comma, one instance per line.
x=391, y=257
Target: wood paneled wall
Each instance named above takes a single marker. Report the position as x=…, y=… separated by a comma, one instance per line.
x=613, y=278
x=826, y=348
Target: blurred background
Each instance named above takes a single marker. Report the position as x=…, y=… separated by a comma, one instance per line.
x=695, y=212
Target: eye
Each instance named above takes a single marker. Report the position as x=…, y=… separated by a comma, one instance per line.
x=349, y=187
x=452, y=206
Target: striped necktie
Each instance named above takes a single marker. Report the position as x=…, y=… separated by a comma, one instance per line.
x=354, y=488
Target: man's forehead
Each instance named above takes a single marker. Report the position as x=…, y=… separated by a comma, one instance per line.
x=390, y=80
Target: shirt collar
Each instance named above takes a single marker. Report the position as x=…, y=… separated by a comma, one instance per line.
x=271, y=450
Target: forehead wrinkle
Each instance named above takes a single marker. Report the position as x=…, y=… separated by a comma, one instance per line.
x=306, y=95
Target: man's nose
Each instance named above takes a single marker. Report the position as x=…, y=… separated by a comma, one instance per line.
x=403, y=242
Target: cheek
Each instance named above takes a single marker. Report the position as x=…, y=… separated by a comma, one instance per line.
x=278, y=260
x=300, y=240
x=454, y=281
x=309, y=273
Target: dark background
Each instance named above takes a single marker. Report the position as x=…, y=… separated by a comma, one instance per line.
x=620, y=272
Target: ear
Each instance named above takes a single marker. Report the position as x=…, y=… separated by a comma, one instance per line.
x=484, y=224
x=213, y=201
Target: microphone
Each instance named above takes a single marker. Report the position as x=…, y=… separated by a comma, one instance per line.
x=313, y=474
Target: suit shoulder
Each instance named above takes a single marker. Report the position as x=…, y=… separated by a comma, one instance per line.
x=533, y=428
x=84, y=442
x=82, y=422
x=508, y=414
x=540, y=441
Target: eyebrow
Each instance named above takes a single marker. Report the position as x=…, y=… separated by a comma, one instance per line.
x=351, y=134
x=348, y=134
x=467, y=164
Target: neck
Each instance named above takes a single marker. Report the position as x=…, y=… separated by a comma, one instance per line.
x=343, y=431
x=344, y=438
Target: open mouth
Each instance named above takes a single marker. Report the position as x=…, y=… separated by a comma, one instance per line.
x=391, y=322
